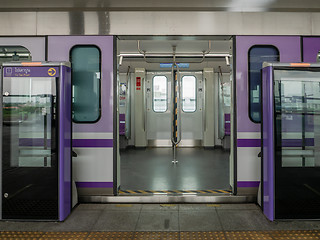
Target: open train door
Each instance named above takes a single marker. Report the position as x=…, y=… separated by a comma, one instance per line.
x=93, y=60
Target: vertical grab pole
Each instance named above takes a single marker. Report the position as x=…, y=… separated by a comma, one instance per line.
x=175, y=116
x=176, y=135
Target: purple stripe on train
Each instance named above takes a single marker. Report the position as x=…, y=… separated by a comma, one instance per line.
x=248, y=184
x=108, y=143
x=94, y=184
x=249, y=142
x=285, y=142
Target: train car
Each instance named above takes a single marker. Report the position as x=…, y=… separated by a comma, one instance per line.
x=168, y=108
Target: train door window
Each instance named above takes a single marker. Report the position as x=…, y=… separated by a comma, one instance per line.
x=86, y=71
x=189, y=94
x=257, y=55
x=14, y=53
x=160, y=94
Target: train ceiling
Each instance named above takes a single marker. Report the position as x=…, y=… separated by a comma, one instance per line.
x=163, y=5
x=187, y=50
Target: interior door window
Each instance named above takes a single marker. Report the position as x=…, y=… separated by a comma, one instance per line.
x=189, y=99
x=160, y=94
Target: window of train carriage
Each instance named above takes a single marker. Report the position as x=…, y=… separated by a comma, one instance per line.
x=189, y=100
x=14, y=53
x=86, y=76
x=160, y=94
x=256, y=56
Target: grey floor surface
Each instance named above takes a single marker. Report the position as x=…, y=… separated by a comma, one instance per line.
x=152, y=169
x=162, y=217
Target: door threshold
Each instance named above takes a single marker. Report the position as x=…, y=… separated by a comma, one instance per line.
x=170, y=199
x=173, y=192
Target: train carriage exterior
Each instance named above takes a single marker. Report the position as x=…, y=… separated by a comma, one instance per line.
x=114, y=97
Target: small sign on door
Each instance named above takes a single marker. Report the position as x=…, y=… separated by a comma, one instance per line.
x=138, y=83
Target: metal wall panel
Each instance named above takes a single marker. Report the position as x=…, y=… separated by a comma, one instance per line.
x=186, y=23
x=53, y=23
x=315, y=21
x=18, y=23
x=165, y=5
x=272, y=23
x=159, y=23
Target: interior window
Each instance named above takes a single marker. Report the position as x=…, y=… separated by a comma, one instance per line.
x=14, y=53
x=189, y=101
x=160, y=94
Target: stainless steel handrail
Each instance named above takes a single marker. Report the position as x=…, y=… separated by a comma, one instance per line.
x=204, y=103
x=216, y=55
x=128, y=105
x=145, y=107
x=174, y=54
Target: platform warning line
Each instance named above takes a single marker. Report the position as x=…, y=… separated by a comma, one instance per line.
x=209, y=235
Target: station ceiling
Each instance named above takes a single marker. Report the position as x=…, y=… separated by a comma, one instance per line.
x=162, y=5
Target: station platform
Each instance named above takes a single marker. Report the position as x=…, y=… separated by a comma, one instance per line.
x=163, y=221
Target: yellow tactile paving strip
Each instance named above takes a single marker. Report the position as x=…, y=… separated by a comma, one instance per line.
x=227, y=235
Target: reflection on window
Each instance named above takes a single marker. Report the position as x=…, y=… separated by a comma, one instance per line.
x=258, y=55
x=85, y=83
x=188, y=93
x=122, y=93
x=28, y=121
x=160, y=94
x=14, y=53
x=297, y=109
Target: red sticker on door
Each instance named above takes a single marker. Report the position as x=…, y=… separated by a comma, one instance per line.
x=138, y=83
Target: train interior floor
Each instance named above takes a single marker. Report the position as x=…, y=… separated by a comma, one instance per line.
x=163, y=221
x=152, y=169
